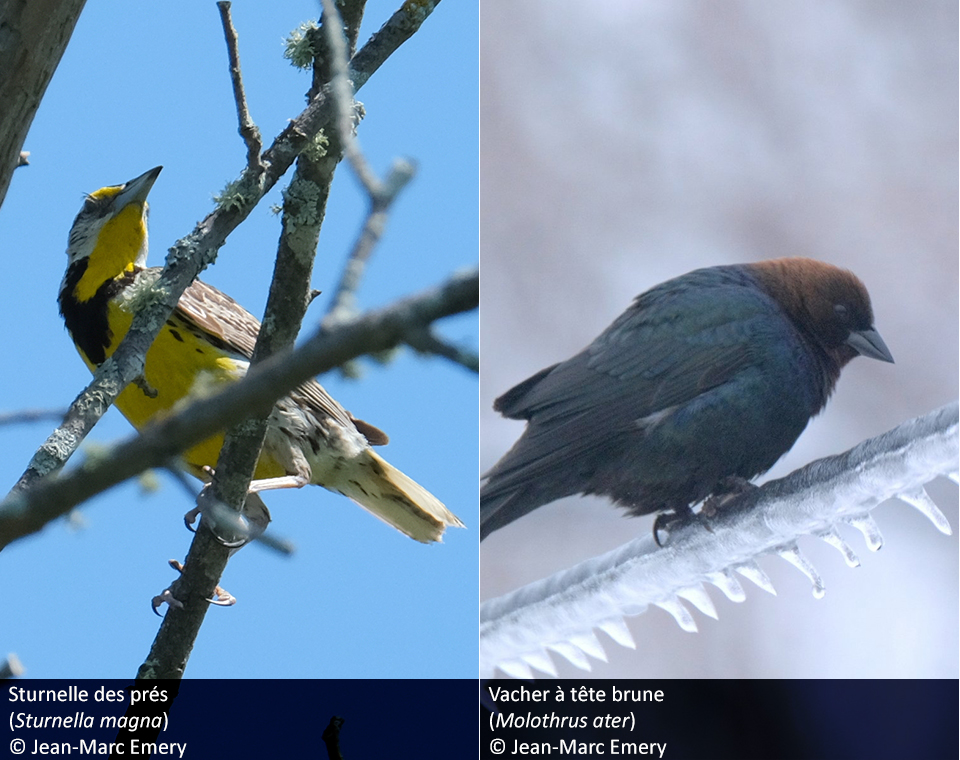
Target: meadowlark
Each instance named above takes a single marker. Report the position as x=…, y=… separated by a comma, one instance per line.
x=207, y=341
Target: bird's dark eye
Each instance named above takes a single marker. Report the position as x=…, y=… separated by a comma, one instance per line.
x=841, y=311
x=94, y=206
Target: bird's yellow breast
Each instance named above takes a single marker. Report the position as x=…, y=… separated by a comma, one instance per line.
x=180, y=367
x=118, y=245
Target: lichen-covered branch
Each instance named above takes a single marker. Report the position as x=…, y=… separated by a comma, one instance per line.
x=374, y=331
x=561, y=612
x=193, y=253
x=304, y=207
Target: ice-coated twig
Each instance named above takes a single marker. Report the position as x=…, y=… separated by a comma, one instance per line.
x=559, y=613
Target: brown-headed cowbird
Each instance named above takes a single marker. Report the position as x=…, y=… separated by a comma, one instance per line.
x=706, y=379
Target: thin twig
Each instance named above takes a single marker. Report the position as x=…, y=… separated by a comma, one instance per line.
x=381, y=194
x=304, y=206
x=31, y=415
x=341, y=89
x=248, y=130
x=265, y=382
x=342, y=305
x=400, y=27
x=427, y=342
x=351, y=13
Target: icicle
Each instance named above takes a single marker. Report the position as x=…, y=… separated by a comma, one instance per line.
x=571, y=653
x=590, y=644
x=752, y=572
x=616, y=628
x=728, y=584
x=680, y=613
x=836, y=541
x=919, y=500
x=699, y=598
x=516, y=669
x=795, y=557
x=541, y=661
x=870, y=530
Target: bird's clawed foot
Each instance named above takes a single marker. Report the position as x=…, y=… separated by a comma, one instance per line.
x=231, y=528
x=671, y=520
x=191, y=517
x=221, y=597
x=726, y=491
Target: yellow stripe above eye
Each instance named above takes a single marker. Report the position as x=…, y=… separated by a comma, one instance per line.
x=119, y=243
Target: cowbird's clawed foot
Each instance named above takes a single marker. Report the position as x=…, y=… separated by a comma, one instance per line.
x=221, y=597
x=728, y=489
x=671, y=520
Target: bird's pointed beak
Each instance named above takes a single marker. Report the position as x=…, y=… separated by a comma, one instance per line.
x=137, y=190
x=869, y=343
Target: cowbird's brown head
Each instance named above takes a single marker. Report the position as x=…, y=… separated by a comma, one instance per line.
x=829, y=305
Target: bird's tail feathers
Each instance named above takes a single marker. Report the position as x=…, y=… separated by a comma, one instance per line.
x=501, y=504
x=399, y=501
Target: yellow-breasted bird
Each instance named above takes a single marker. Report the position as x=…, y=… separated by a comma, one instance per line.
x=209, y=340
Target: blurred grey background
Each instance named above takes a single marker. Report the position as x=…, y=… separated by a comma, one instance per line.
x=624, y=143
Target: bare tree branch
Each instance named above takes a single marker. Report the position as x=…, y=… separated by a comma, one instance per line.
x=341, y=89
x=197, y=250
x=208, y=557
x=343, y=304
x=35, y=34
x=304, y=205
x=399, y=28
x=303, y=212
x=378, y=330
x=31, y=415
x=248, y=130
x=427, y=342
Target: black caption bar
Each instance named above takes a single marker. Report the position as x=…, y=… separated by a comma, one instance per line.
x=715, y=720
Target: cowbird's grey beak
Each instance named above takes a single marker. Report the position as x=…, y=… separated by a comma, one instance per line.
x=869, y=343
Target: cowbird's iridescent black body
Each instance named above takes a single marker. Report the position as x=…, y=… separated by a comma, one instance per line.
x=707, y=377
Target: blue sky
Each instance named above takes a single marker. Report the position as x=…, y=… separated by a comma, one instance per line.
x=147, y=84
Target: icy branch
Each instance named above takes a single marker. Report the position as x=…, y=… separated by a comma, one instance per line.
x=559, y=613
